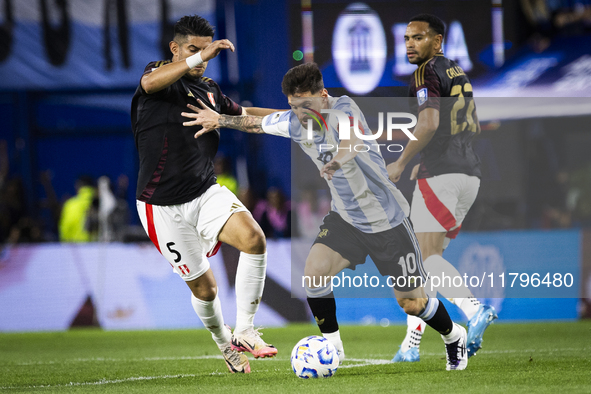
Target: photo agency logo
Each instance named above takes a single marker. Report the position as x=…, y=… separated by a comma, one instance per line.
x=346, y=123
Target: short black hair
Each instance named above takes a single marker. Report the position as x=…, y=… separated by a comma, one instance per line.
x=192, y=25
x=434, y=22
x=303, y=78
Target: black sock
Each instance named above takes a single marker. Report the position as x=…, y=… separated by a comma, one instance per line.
x=325, y=313
x=438, y=318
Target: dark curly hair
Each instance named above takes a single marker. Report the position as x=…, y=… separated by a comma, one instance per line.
x=303, y=78
x=192, y=25
x=434, y=22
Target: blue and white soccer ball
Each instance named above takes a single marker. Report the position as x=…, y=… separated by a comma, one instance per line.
x=314, y=357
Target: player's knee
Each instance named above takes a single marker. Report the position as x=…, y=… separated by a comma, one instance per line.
x=316, y=269
x=254, y=241
x=204, y=292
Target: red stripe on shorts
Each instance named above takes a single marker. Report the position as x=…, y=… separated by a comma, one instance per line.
x=453, y=233
x=215, y=249
x=151, y=228
x=436, y=207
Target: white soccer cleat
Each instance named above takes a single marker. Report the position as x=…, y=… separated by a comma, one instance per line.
x=250, y=341
x=456, y=353
x=338, y=344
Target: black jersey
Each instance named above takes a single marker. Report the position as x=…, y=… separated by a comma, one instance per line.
x=441, y=83
x=175, y=167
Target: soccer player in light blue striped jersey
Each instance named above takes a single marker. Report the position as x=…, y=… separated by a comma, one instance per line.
x=368, y=213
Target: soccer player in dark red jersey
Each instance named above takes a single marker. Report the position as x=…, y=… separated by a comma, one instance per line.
x=184, y=211
x=448, y=176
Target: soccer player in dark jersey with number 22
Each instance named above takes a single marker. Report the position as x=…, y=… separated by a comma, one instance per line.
x=184, y=211
x=448, y=176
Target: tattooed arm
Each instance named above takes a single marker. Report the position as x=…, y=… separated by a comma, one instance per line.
x=210, y=120
x=247, y=123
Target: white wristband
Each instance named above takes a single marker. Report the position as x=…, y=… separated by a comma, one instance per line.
x=194, y=60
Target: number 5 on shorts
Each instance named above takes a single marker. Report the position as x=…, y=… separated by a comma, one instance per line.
x=175, y=252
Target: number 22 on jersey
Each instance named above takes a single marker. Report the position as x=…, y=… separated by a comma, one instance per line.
x=460, y=111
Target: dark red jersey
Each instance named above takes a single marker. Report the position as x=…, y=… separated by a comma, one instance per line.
x=441, y=83
x=175, y=167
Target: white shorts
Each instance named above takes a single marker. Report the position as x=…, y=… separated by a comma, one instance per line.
x=186, y=234
x=440, y=203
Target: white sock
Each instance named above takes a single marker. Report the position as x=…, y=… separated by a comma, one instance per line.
x=210, y=313
x=333, y=336
x=415, y=327
x=250, y=281
x=468, y=305
x=453, y=336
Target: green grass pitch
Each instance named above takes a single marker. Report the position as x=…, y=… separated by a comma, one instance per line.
x=535, y=357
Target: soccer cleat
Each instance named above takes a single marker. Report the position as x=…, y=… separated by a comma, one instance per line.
x=340, y=349
x=250, y=341
x=476, y=326
x=455, y=352
x=236, y=362
x=410, y=356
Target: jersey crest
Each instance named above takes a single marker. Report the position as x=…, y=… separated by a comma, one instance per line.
x=211, y=99
x=422, y=96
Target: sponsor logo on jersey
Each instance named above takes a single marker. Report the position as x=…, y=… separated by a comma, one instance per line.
x=422, y=96
x=323, y=233
x=211, y=100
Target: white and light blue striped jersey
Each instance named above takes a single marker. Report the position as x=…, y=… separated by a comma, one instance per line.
x=362, y=194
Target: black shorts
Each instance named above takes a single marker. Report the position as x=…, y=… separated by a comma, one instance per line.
x=395, y=252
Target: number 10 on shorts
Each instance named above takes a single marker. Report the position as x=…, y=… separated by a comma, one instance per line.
x=408, y=264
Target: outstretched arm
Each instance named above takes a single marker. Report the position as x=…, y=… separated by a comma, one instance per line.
x=247, y=123
x=210, y=120
x=168, y=74
x=257, y=111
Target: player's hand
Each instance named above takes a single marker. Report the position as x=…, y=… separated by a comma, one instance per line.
x=204, y=117
x=394, y=171
x=414, y=172
x=213, y=49
x=329, y=169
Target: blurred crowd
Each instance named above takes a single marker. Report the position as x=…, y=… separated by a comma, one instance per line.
x=550, y=18
x=100, y=211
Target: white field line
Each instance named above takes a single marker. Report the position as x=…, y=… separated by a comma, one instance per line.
x=362, y=362
x=110, y=359
x=359, y=362
x=219, y=357
x=103, y=381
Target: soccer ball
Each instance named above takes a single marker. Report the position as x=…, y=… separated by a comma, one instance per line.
x=314, y=357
